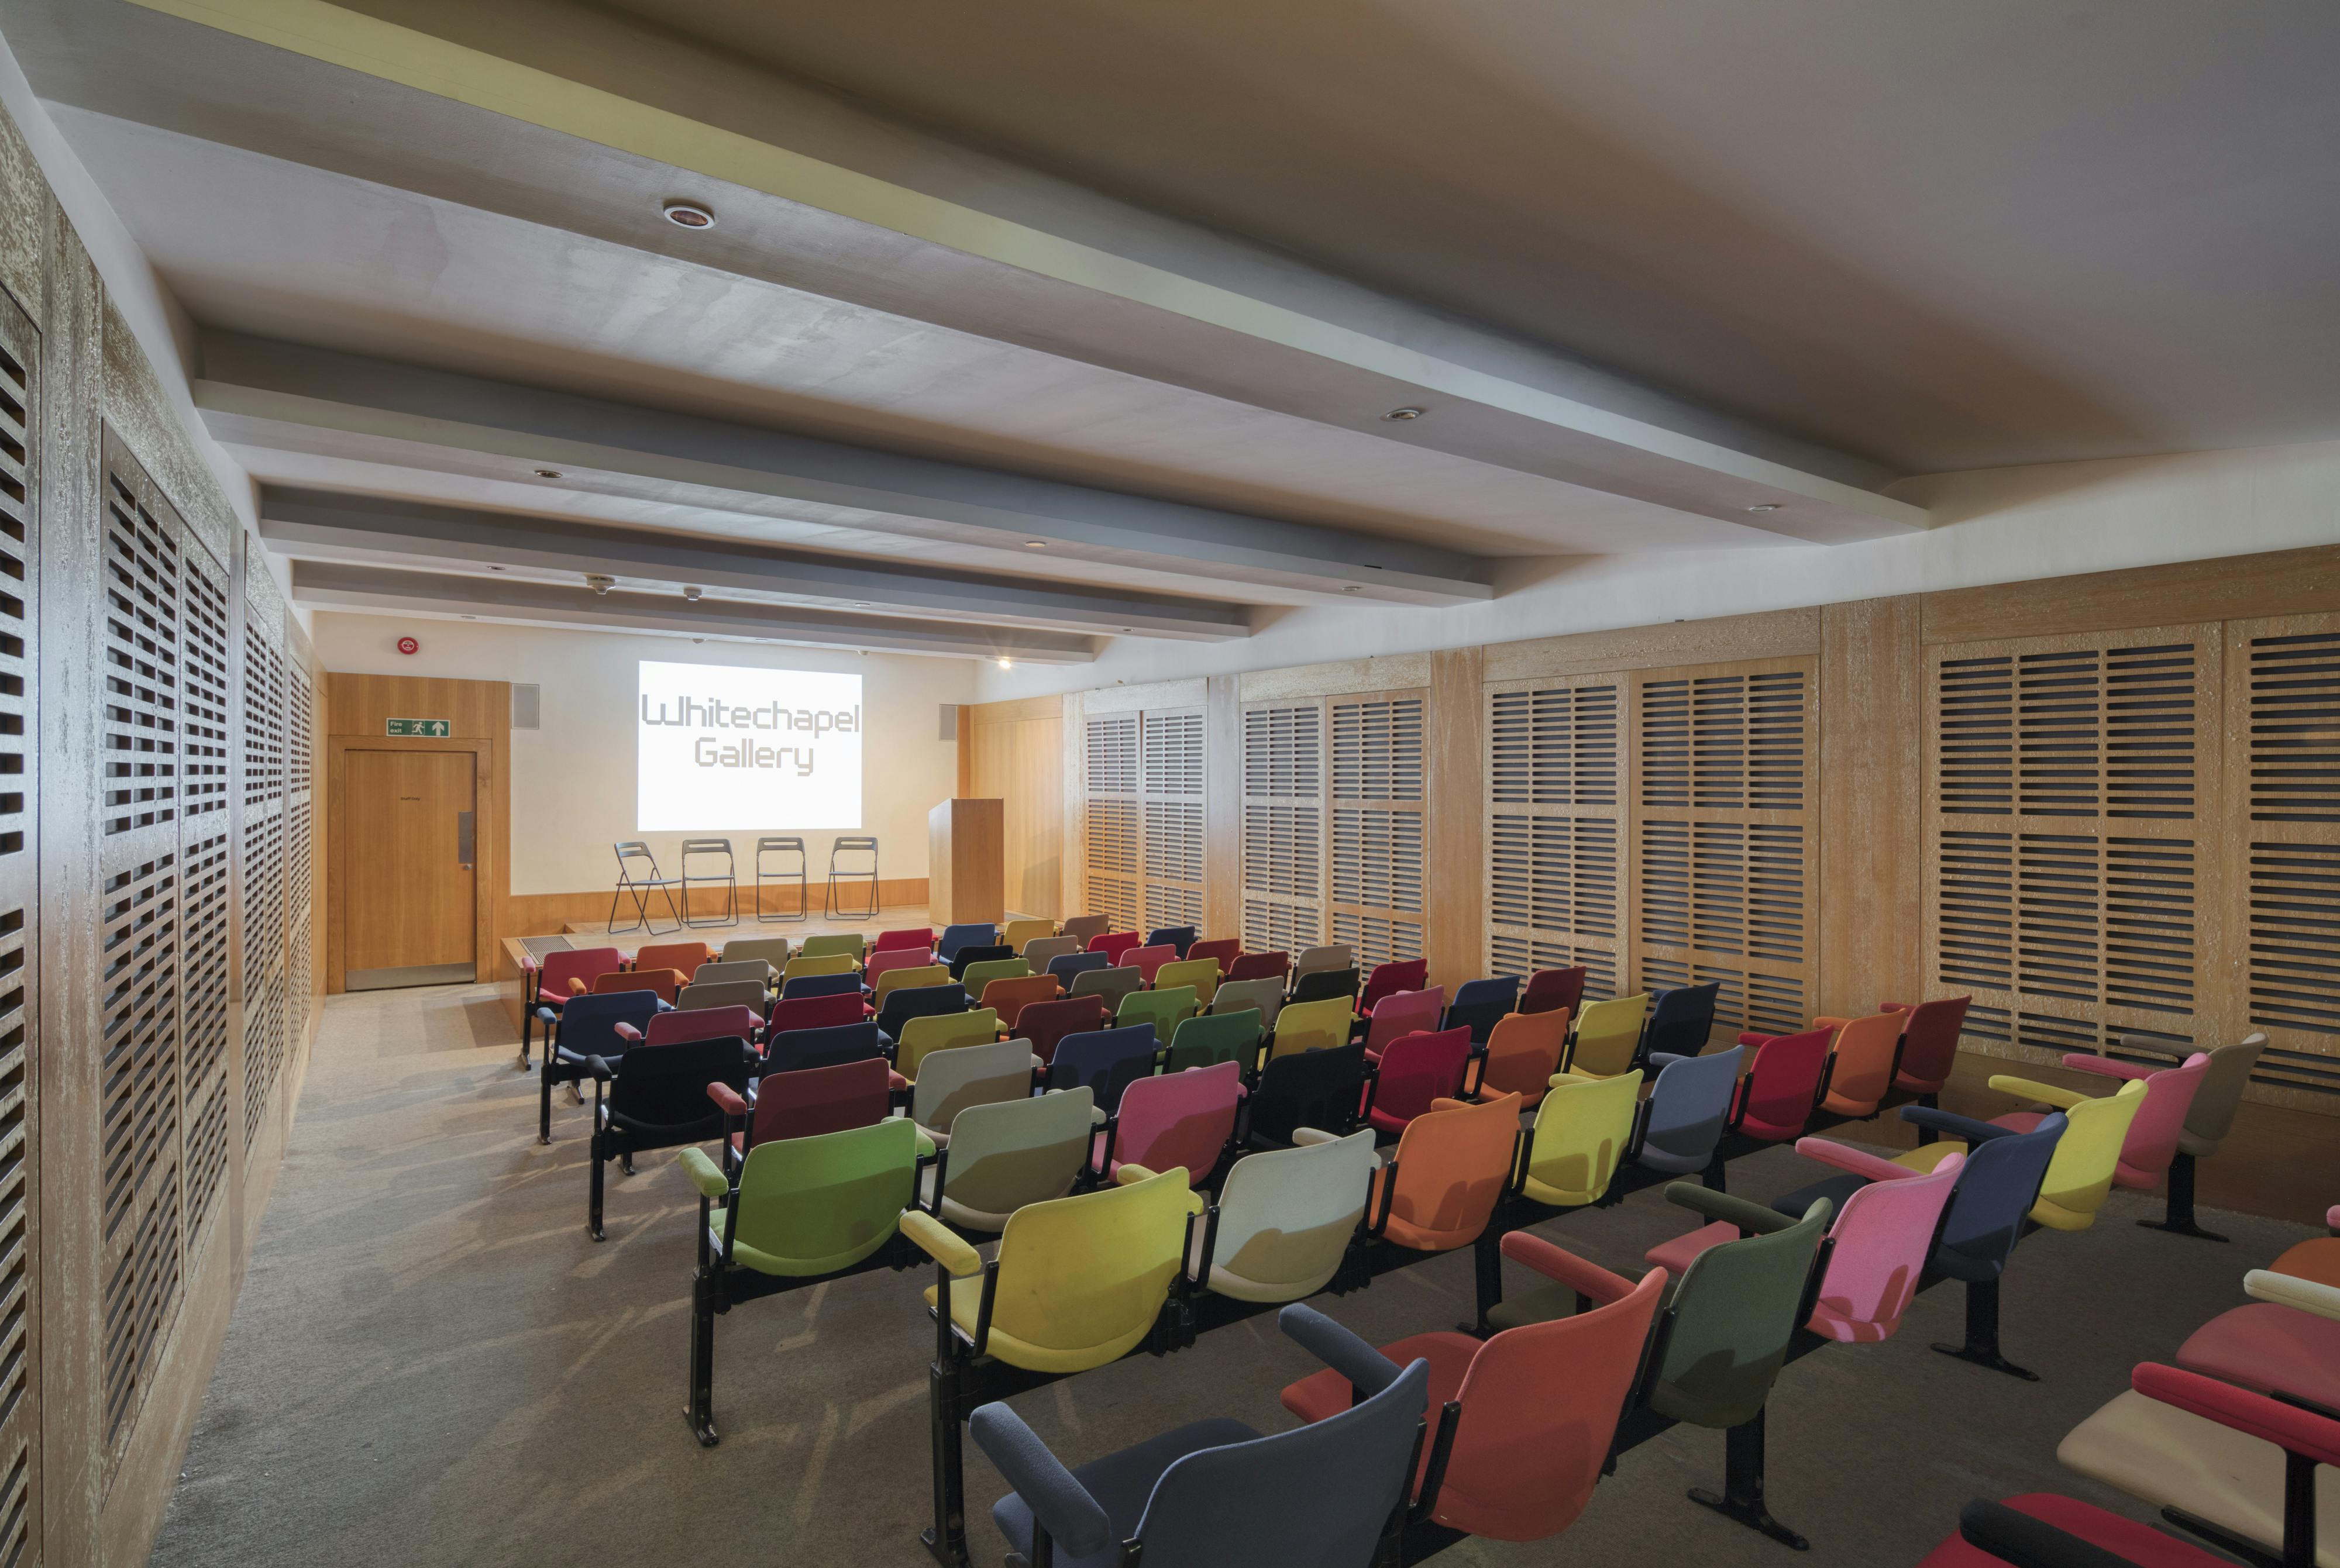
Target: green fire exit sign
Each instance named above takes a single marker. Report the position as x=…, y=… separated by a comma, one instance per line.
x=419, y=727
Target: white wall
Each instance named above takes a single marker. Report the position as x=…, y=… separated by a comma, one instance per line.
x=1991, y=526
x=572, y=787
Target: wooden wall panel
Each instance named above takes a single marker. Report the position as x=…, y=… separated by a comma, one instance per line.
x=1143, y=775
x=2272, y=582
x=1456, y=839
x=1871, y=875
x=1015, y=752
x=1772, y=635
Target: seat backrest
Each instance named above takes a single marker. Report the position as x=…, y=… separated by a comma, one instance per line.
x=1451, y=1167
x=1540, y=1403
x=1224, y=949
x=1148, y=961
x=661, y=983
x=1389, y=979
x=1681, y=1018
x=1581, y=1131
x=1008, y=997
x=1608, y=1034
x=663, y=1088
x=806, y=964
x=1164, y=1009
x=906, y=1002
x=823, y=1202
x=772, y=950
x=1042, y=951
x=1731, y=1320
x=723, y=971
x=1082, y=1279
x=2212, y=1115
x=973, y=957
x=1320, y=1494
x=739, y=1023
x=2152, y=1140
x=1045, y=1023
x=1015, y=934
x=1114, y=943
x=1404, y=1012
x=578, y=963
x=1318, y=1089
x=1086, y=926
x=843, y=982
x=1523, y=1052
x=1688, y=1109
x=1878, y=1247
x=921, y=1037
x=1013, y=1153
x=908, y=976
x=798, y=1049
x=686, y=956
x=1264, y=997
x=1549, y=989
x=1929, y=1041
x=1272, y=965
x=975, y=976
x=1286, y=1216
x=1216, y=1037
x=589, y=1024
x=1328, y=956
x=1324, y=985
x=1065, y=966
x=1111, y=984
x=1104, y=1060
x=1863, y=1070
x=820, y=1100
x=1179, y=1118
x=834, y=944
x=951, y=1080
x=2080, y=1178
x=1783, y=1083
x=1994, y=1194
x=905, y=939
x=1202, y=973
x=1421, y=1067
x=794, y=1012
x=895, y=960
x=980, y=933
x=1313, y=1025
x=1178, y=937
x=1479, y=1004
x=635, y=861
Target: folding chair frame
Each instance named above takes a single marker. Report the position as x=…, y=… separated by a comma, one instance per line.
x=640, y=889
x=783, y=845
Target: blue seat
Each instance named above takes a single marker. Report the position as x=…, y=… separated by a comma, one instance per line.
x=796, y=1049
x=1682, y=1020
x=821, y=985
x=906, y=1002
x=1684, y=1117
x=1480, y=1004
x=1181, y=937
x=1071, y=964
x=585, y=1027
x=1107, y=1061
x=956, y=937
x=1217, y=1495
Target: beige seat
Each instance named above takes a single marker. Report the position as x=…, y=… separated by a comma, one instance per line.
x=1285, y=1218
x=772, y=950
x=952, y=1081
x=723, y=994
x=2173, y=1458
x=1006, y=1155
x=1087, y=927
x=723, y=971
x=1238, y=995
x=1332, y=956
x=1112, y=985
x=1041, y=949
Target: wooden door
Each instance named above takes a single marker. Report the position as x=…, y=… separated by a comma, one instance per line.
x=407, y=905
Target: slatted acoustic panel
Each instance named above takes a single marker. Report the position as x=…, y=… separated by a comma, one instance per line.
x=1375, y=847
x=263, y=958
x=1110, y=818
x=1284, y=827
x=1170, y=776
x=20, y=1404
x=300, y=866
x=1556, y=825
x=208, y=749
x=1722, y=845
x=2283, y=794
x=141, y=934
x=2072, y=796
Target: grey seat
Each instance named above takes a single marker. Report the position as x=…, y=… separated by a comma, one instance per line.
x=723, y=994
x=1113, y=984
x=1217, y=1495
x=1040, y=950
x=723, y=971
x=1688, y=1108
x=2208, y=1120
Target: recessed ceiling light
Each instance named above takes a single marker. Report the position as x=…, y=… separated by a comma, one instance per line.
x=861, y=604
x=1353, y=588
x=1766, y=507
x=1408, y=412
x=692, y=592
x=1007, y=664
x=1036, y=544
x=471, y=617
x=1129, y=628
x=495, y=568
x=548, y=473
x=689, y=215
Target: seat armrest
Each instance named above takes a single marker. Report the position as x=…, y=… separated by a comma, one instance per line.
x=2009, y=1535
x=727, y=1097
x=1339, y=1348
x=1443, y=1103
x=1307, y=1137
x=2032, y=1089
x=1858, y=1162
x=2290, y=1290
x=549, y=1014
x=2105, y=1066
x=2289, y=1426
x=1755, y=1042
x=600, y=1069
x=703, y=1174
x=1829, y=1022
x=576, y=986
x=1060, y=1505
x=1662, y=1060
x=1738, y=1211
x=1581, y=1274
x=628, y=1032
x=934, y=1238
x=1951, y=1125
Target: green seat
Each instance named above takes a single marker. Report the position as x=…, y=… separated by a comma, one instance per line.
x=845, y=944
x=1164, y=1009
x=1213, y=1038
x=806, y=962
x=922, y=1036
x=979, y=975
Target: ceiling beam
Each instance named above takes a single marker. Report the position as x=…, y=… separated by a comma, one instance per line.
x=318, y=525
x=341, y=586
x=255, y=392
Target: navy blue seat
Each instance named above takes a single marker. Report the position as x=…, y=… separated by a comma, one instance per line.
x=1181, y=937
x=1322, y=985
x=585, y=1027
x=847, y=984
x=1073, y=963
x=956, y=937
x=1683, y=1119
x=1680, y=1020
x=1107, y=1059
x=1480, y=1004
x=798, y=1049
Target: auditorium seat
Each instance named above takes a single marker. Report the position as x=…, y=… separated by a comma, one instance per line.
x=1438, y=1189
x=1178, y=1119
x=1044, y=1024
x=1010, y=995
x=1009, y=1154
x=1860, y=1065
x=1607, y=1036
x=1202, y=973
x=1402, y=1013
x=1782, y=1085
x=655, y=1097
x=1417, y=1071
x=1554, y=990
x=1522, y=1053
x=1479, y=1004
x=922, y=1036
x=1680, y=1020
x=1582, y=1130
x=1213, y=1038
x=1687, y=1111
x=1164, y=1009
x=954, y=1080
x=1285, y=1221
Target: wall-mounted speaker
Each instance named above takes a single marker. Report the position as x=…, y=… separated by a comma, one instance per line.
x=528, y=707
x=950, y=721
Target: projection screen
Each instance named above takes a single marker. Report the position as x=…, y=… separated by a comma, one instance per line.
x=722, y=748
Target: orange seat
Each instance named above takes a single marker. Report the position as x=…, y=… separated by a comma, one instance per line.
x=2318, y=1260
x=664, y=982
x=1450, y=1167
x=1860, y=1068
x=1010, y=995
x=686, y=956
x=1522, y=1053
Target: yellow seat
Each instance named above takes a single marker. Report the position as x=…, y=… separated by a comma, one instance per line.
x=1019, y=932
x=2080, y=1176
x=922, y=1036
x=1202, y=973
x=1078, y=1281
x=1608, y=1033
x=818, y=963
x=1312, y=1026
x=893, y=980
x=1582, y=1128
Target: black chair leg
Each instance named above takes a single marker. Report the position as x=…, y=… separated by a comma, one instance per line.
x=593, y=1223
x=2180, y=1219
x=946, y=1537
x=700, y=1409
x=1931, y=1102
x=1742, y=1485
x=1487, y=1260
x=544, y=1098
x=1714, y=1174
x=1982, y=1331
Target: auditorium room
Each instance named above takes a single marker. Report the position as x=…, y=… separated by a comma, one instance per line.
x=1070, y=785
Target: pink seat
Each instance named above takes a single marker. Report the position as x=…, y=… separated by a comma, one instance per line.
x=1114, y=943
x=917, y=939
x=2273, y=1349
x=702, y=1023
x=1176, y=1119
x=1402, y=1013
x=2152, y=1140
x=1146, y=960
x=888, y=958
x=1389, y=979
x=1415, y=1070
x=2140, y=1546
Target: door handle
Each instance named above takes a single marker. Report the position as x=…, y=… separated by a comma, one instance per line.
x=463, y=844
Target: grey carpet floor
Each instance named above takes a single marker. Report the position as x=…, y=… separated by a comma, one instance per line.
x=430, y=1362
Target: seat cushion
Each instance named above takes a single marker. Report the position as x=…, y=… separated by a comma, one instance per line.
x=1675, y=1257
x=2173, y=1458
x=2141, y=1544
x=1122, y=1484
x=2318, y=1260
x=2272, y=1348
x=1327, y=1392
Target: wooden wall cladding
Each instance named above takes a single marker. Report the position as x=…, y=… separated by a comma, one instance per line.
x=1142, y=817
x=1015, y=753
x=1283, y=854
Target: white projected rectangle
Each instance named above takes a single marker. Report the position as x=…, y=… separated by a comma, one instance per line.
x=721, y=747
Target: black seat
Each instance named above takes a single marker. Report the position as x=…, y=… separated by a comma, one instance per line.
x=655, y=1098
x=1318, y=1089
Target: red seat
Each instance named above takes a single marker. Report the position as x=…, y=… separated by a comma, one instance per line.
x=1273, y=965
x=1389, y=979
x=1552, y=990
x=818, y=1011
x=1114, y=943
x=1226, y=949
x=1415, y=1070
x=703, y=1023
x=1148, y=960
x=1929, y=1041
x=2274, y=1349
x=812, y=1102
x=1782, y=1084
x=1044, y=1024
x=917, y=939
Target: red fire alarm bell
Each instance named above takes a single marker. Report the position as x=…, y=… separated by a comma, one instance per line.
x=409, y=646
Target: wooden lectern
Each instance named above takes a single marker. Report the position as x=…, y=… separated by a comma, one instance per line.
x=967, y=862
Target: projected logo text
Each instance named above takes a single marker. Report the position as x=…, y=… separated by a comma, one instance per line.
x=722, y=746
x=710, y=752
